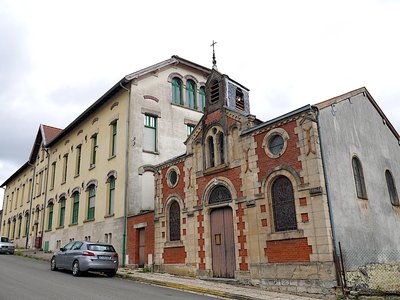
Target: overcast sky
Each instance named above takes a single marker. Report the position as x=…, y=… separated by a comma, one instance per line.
x=58, y=57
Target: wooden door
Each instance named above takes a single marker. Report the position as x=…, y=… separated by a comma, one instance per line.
x=141, y=247
x=222, y=243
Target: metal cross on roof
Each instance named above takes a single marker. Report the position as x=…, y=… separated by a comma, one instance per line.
x=214, y=61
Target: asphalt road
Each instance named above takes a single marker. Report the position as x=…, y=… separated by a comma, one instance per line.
x=24, y=278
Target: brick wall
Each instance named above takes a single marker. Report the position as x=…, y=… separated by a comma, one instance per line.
x=210, y=118
x=179, y=188
x=289, y=157
x=285, y=251
x=174, y=255
x=133, y=237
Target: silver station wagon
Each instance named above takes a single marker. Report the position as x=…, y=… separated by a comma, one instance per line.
x=80, y=257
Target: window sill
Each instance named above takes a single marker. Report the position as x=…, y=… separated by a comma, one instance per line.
x=76, y=175
x=48, y=230
x=52, y=188
x=362, y=198
x=72, y=224
x=88, y=220
x=186, y=107
x=63, y=182
x=109, y=216
x=215, y=169
x=92, y=167
x=173, y=244
x=151, y=152
x=285, y=235
x=111, y=157
x=59, y=227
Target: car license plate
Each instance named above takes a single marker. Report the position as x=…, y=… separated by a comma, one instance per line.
x=104, y=257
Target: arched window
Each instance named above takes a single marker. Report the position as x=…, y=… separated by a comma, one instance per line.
x=177, y=91
x=91, y=202
x=283, y=204
x=221, y=147
x=75, y=209
x=211, y=151
x=26, y=224
x=62, y=213
x=220, y=194
x=50, y=219
x=111, y=195
x=202, y=98
x=191, y=94
x=359, y=178
x=174, y=222
x=394, y=198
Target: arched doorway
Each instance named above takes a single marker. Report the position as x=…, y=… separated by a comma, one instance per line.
x=222, y=236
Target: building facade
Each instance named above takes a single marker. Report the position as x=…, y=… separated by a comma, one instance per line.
x=84, y=181
x=268, y=202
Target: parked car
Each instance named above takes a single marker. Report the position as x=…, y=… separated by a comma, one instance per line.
x=6, y=246
x=80, y=257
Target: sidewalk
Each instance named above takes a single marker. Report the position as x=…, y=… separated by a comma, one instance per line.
x=190, y=284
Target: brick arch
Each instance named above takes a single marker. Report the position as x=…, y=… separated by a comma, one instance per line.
x=110, y=174
x=284, y=170
x=170, y=199
x=191, y=77
x=90, y=183
x=76, y=189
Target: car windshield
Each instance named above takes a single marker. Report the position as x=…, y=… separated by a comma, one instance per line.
x=103, y=248
x=4, y=239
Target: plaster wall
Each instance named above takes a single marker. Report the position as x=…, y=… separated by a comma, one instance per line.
x=354, y=127
x=171, y=129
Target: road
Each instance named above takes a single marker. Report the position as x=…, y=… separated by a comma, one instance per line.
x=26, y=278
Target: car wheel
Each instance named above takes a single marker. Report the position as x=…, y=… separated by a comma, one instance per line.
x=75, y=269
x=111, y=274
x=53, y=265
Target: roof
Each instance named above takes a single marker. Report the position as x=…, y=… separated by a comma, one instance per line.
x=49, y=133
x=362, y=90
x=277, y=119
x=120, y=85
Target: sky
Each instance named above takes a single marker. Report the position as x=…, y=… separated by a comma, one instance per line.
x=58, y=57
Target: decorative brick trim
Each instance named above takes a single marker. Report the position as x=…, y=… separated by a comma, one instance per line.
x=200, y=230
x=149, y=97
x=242, y=239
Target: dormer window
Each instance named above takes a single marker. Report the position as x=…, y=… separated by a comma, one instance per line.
x=239, y=99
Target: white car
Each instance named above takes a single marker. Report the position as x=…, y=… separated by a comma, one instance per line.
x=6, y=246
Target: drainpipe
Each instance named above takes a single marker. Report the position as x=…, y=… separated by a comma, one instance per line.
x=126, y=175
x=30, y=204
x=316, y=109
x=45, y=193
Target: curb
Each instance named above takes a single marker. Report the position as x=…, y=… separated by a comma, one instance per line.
x=187, y=288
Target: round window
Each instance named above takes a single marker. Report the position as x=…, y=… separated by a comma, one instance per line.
x=276, y=144
x=173, y=177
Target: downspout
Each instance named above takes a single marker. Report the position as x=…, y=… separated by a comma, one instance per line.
x=30, y=205
x=45, y=193
x=126, y=175
x=321, y=144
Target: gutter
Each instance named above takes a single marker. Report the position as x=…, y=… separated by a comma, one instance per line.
x=30, y=204
x=126, y=175
x=45, y=194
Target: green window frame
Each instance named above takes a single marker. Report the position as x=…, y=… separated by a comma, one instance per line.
x=91, y=202
x=50, y=220
x=65, y=169
x=94, y=151
x=113, y=138
x=150, y=133
x=53, y=175
x=177, y=91
x=62, y=213
x=202, y=100
x=75, y=209
x=19, y=226
x=78, y=160
x=191, y=94
x=111, y=195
